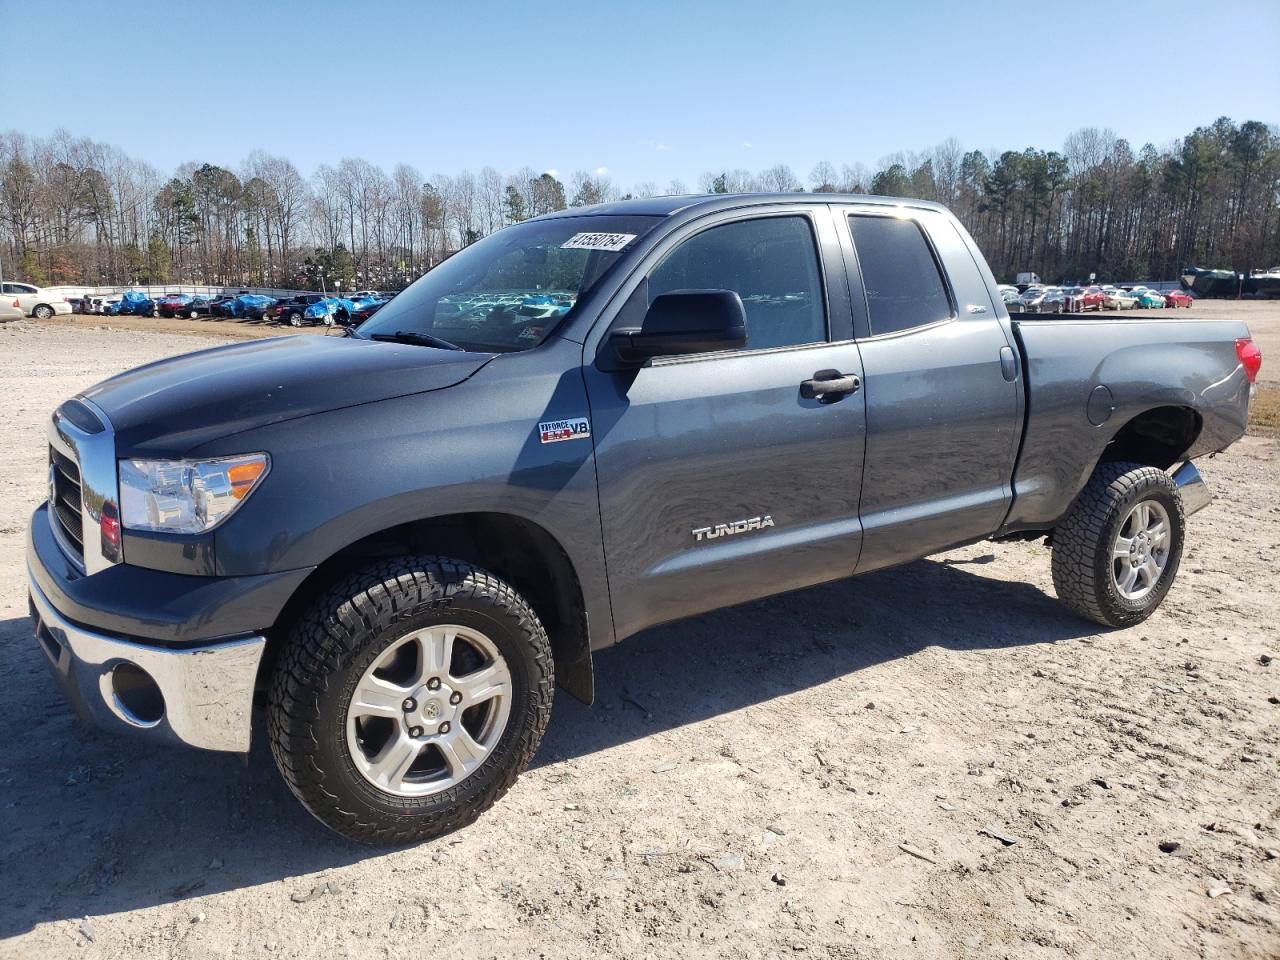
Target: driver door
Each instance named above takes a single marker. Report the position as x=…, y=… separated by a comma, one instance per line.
x=719, y=480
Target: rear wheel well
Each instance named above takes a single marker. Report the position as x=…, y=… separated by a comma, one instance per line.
x=1159, y=437
x=516, y=550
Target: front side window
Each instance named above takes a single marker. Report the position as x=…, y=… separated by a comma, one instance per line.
x=903, y=285
x=508, y=291
x=770, y=262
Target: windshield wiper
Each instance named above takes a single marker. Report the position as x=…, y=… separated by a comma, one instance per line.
x=419, y=339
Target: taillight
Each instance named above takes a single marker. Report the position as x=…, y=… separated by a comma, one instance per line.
x=1250, y=357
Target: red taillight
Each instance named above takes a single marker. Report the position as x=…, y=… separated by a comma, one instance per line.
x=1250, y=357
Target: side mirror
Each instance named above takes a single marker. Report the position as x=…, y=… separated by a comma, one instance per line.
x=683, y=322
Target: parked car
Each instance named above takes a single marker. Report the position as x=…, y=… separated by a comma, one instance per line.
x=1117, y=299
x=293, y=310
x=1176, y=298
x=364, y=310
x=491, y=496
x=366, y=295
x=1008, y=292
x=330, y=310
x=1149, y=299
x=35, y=302
x=174, y=305
x=11, y=309
x=1033, y=298
x=1092, y=298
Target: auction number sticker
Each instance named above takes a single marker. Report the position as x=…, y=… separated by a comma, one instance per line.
x=553, y=431
x=611, y=242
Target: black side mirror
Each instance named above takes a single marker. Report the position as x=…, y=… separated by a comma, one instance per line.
x=683, y=322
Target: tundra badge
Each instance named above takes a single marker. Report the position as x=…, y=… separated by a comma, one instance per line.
x=728, y=529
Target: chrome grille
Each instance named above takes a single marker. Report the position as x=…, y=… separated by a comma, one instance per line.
x=66, y=501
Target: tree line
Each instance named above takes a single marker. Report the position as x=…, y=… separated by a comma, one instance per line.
x=73, y=211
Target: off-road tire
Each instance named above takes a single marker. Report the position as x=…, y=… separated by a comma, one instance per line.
x=1082, y=542
x=333, y=643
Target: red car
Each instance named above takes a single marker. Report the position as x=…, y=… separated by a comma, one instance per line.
x=1176, y=298
x=1091, y=299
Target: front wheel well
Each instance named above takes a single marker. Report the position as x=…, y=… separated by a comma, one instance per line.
x=1158, y=437
x=512, y=548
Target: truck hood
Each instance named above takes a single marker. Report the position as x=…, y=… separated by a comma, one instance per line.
x=169, y=407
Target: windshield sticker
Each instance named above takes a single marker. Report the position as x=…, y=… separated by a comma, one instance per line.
x=553, y=431
x=611, y=242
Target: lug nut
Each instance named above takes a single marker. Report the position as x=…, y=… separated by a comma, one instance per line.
x=444, y=727
x=415, y=731
x=433, y=683
x=455, y=697
x=410, y=704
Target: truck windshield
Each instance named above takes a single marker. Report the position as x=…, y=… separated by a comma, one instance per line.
x=508, y=291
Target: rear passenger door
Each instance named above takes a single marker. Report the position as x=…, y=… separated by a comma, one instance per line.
x=941, y=384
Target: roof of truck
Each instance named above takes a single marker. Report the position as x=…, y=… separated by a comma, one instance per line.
x=665, y=206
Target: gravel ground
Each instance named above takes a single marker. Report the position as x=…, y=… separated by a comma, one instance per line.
x=807, y=773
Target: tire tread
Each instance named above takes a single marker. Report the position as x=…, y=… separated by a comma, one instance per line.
x=333, y=630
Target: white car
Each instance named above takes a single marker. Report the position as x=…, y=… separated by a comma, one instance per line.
x=35, y=302
x=1119, y=300
x=9, y=310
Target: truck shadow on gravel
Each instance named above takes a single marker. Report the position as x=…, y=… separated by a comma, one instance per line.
x=97, y=824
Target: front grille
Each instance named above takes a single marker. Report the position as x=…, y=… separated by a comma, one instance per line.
x=65, y=500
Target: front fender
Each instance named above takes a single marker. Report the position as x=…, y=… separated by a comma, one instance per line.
x=341, y=476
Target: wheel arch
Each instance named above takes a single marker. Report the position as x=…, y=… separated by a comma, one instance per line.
x=1159, y=436
x=514, y=548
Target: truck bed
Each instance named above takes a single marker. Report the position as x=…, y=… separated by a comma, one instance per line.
x=1087, y=375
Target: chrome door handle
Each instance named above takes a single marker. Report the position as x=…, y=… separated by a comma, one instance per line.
x=829, y=383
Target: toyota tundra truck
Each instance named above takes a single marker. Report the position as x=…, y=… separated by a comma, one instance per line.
x=390, y=546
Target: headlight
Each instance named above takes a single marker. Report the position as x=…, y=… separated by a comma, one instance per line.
x=186, y=496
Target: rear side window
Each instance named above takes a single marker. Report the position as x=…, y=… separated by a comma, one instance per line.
x=899, y=273
x=771, y=263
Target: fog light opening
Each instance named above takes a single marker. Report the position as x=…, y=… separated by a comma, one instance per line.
x=137, y=696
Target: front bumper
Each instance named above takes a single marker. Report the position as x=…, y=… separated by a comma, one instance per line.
x=198, y=696
x=170, y=656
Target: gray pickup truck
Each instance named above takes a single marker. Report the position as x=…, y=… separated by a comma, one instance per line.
x=398, y=541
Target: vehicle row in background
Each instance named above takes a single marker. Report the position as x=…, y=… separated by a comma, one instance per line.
x=306, y=308
x=1036, y=298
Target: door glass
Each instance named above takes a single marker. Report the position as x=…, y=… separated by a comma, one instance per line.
x=771, y=263
x=899, y=273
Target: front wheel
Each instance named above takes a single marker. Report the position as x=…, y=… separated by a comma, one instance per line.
x=409, y=698
x=1116, y=552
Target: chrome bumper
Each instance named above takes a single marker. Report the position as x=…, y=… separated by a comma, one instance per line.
x=1192, y=489
x=205, y=694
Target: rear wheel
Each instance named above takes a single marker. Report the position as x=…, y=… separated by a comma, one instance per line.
x=295, y=319
x=409, y=698
x=1116, y=553
x=42, y=312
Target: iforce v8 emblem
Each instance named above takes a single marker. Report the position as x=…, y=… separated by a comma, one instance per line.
x=729, y=529
x=553, y=431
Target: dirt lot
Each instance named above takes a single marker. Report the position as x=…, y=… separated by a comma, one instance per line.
x=746, y=784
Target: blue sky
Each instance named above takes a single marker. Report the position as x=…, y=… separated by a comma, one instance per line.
x=648, y=90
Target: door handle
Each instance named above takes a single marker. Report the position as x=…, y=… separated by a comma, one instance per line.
x=1008, y=364
x=829, y=383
